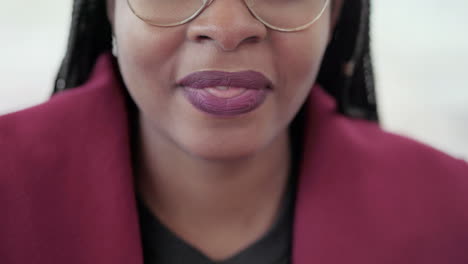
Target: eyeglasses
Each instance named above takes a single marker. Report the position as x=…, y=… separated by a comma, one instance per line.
x=281, y=15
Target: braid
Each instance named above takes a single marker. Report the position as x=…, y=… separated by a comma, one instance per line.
x=346, y=71
x=90, y=35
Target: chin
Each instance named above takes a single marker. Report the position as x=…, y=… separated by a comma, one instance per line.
x=224, y=150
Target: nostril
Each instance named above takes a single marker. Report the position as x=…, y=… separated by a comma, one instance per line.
x=202, y=37
x=253, y=39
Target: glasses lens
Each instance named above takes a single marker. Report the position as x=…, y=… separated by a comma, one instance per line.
x=165, y=12
x=287, y=14
x=280, y=14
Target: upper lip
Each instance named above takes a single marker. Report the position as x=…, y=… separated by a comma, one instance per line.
x=241, y=79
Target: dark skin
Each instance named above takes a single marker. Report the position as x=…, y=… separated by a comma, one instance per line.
x=204, y=177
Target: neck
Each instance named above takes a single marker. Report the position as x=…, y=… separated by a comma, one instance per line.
x=205, y=201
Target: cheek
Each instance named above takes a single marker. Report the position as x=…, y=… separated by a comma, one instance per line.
x=142, y=48
x=298, y=59
x=147, y=52
x=148, y=58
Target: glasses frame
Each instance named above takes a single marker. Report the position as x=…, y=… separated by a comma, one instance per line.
x=248, y=4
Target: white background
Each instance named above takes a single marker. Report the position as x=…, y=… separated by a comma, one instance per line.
x=420, y=53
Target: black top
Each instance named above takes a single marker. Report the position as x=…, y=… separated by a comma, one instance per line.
x=162, y=246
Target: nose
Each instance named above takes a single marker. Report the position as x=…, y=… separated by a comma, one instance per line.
x=228, y=24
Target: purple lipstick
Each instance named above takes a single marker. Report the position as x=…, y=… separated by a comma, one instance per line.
x=225, y=93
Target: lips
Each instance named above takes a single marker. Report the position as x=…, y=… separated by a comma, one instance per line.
x=225, y=93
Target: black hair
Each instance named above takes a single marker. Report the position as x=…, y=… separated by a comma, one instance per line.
x=346, y=72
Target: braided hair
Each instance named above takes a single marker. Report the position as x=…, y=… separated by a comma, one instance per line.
x=346, y=72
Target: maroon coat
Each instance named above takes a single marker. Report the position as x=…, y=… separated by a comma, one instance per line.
x=364, y=196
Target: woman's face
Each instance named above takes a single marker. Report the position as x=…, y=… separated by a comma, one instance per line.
x=225, y=37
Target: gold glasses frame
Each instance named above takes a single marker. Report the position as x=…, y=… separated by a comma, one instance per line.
x=247, y=2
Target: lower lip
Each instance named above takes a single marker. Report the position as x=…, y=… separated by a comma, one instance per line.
x=246, y=102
